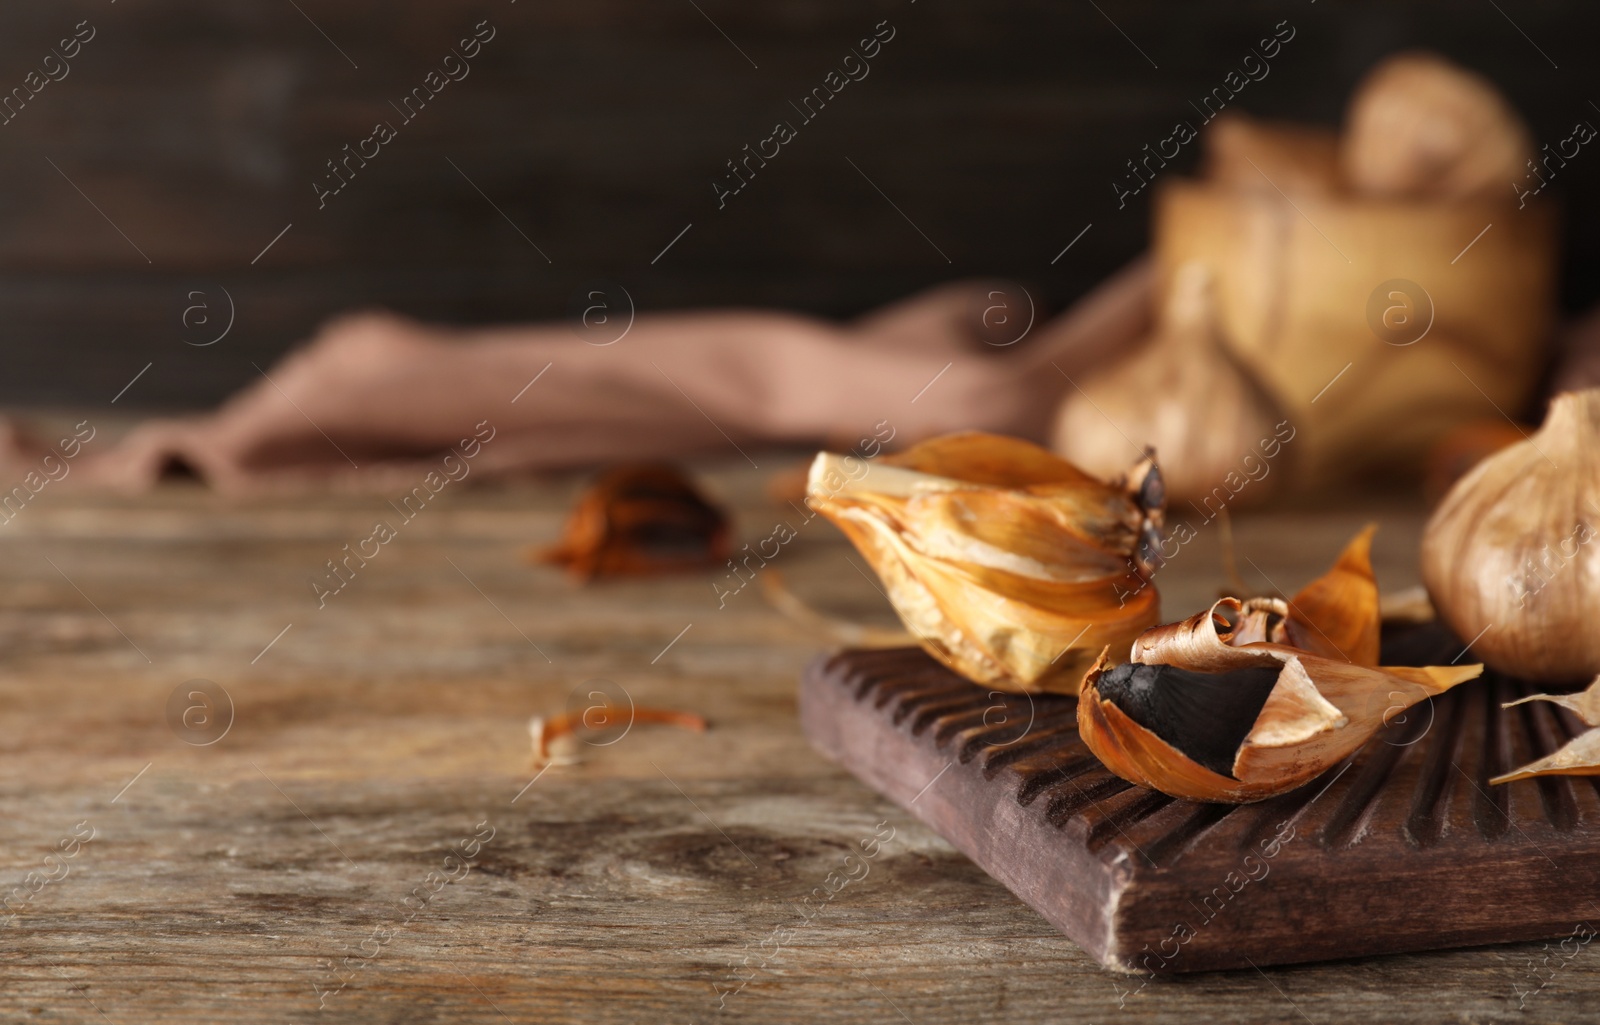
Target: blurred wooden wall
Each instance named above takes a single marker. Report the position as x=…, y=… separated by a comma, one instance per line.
x=598, y=127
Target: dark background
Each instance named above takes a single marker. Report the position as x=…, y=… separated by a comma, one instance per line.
x=597, y=126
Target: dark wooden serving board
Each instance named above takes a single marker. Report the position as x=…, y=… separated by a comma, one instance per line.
x=1403, y=847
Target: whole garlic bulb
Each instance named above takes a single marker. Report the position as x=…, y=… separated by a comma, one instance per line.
x=1181, y=394
x=1508, y=553
x=1421, y=126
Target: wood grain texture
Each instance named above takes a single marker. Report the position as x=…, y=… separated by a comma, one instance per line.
x=597, y=128
x=377, y=732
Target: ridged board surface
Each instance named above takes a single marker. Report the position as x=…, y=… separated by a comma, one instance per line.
x=1403, y=847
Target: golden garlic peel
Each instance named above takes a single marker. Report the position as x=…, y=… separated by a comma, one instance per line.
x=1005, y=561
x=1585, y=704
x=1315, y=714
x=1508, y=559
x=1335, y=616
x=1580, y=756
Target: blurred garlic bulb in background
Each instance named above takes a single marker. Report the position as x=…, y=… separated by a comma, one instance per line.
x=1006, y=562
x=1181, y=394
x=1508, y=556
x=1420, y=126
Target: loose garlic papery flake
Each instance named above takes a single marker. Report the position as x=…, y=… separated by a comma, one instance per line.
x=1579, y=756
x=1508, y=557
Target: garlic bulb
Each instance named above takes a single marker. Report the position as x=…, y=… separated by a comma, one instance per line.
x=1507, y=556
x=1006, y=562
x=1182, y=394
x=1420, y=126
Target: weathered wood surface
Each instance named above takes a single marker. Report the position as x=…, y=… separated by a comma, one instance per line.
x=379, y=731
x=1403, y=846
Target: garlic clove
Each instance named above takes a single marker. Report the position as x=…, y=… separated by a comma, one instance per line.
x=1005, y=561
x=1316, y=712
x=1253, y=699
x=1139, y=754
x=1508, y=557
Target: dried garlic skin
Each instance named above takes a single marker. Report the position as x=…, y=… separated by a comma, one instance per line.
x=640, y=519
x=1329, y=697
x=1006, y=562
x=1579, y=756
x=1508, y=556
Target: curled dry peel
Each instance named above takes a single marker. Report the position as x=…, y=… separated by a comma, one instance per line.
x=1252, y=699
x=545, y=732
x=640, y=519
x=1006, y=562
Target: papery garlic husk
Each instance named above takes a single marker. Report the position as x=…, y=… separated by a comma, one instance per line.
x=640, y=519
x=1579, y=756
x=1308, y=661
x=1006, y=562
x=1420, y=126
x=1182, y=394
x=1508, y=556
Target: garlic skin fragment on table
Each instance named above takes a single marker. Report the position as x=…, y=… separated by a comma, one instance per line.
x=1579, y=756
x=1006, y=562
x=1508, y=557
x=640, y=519
x=1249, y=700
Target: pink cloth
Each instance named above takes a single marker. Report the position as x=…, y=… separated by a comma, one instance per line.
x=376, y=398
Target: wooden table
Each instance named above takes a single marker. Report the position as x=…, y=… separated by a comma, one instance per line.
x=228, y=882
